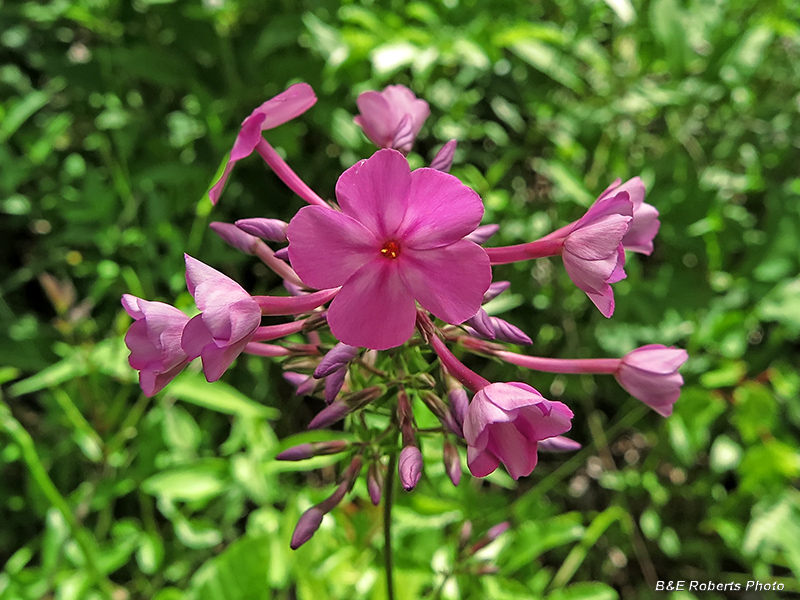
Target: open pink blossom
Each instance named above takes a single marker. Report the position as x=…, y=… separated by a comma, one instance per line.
x=644, y=225
x=229, y=317
x=399, y=238
x=284, y=107
x=505, y=422
x=650, y=374
x=392, y=118
x=154, y=340
x=592, y=252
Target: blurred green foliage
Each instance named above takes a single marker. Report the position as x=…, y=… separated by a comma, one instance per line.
x=114, y=117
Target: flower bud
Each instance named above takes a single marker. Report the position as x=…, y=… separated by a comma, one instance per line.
x=452, y=462
x=272, y=230
x=375, y=482
x=306, y=527
x=490, y=536
x=444, y=157
x=507, y=332
x=339, y=409
x=233, y=236
x=437, y=406
x=283, y=253
x=410, y=467
x=559, y=443
x=305, y=451
x=334, y=383
x=495, y=289
x=338, y=356
x=464, y=535
x=482, y=323
x=303, y=384
x=482, y=233
x=459, y=403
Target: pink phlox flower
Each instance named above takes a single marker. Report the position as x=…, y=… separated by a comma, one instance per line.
x=284, y=107
x=392, y=118
x=644, y=226
x=650, y=374
x=593, y=254
x=228, y=319
x=398, y=239
x=154, y=340
x=505, y=422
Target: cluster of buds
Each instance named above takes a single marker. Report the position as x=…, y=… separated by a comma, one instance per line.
x=398, y=262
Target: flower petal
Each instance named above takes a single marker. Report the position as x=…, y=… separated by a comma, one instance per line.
x=441, y=210
x=375, y=192
x=287, y=105
x=449, y=281
x=376, y=118
x=374, y=308
x=517, y=453
x=328, y=247
x=481, y=462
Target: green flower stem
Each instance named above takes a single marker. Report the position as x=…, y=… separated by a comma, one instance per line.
x=388, y=499
x=37, y=470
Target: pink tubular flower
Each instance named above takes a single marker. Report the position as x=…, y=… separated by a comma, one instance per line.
x=650, y=374
x=229, y=317
x=398, y=239
x=504, y=424
x=284, y=107
x=154, y=340
x=644, y=225
x=593, y=254
x=392, y=118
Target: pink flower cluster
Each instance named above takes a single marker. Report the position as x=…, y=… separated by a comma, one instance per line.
x=399, y=261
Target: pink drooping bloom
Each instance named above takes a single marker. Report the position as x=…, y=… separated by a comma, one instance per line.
x=504, y=424
x=284, y=107
x=399, y=238
x=650, y=374
x=392, y=118
x=593, y=253
x=154, y=340
x=644, y=225
x=228, y=319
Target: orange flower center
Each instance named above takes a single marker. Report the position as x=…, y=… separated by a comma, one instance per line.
x=391, y=249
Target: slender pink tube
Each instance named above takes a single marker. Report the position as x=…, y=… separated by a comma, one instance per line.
x=285, y=173
x=278, y=266
x=294, y=305
x=561, y=365
x=456, y=368
x=270, y=350
x=536, y=249
x=273, y=332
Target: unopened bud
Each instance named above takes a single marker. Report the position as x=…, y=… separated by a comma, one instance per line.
x=305, y=451
x=283, y=253
x=437, y=406
x=272, y=230
x=375, y=482
x=424, y=380
x=482, y=233
x=303, y=384
x=459, y=403
x=464, y=535
x=452, y=462
x=338, y=356
x=334, y=383
x=306, y=527
x=316, y=321
x=482, y=324
x=425, y=326
x=339, y=409
x=559, y=443
x=444, y=158
x=507, y=332
x=294, y=289
x=410, y=467
x=233, y=236
x=495, y=289
x=490, y=536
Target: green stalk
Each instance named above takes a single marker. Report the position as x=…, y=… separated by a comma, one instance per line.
x=388, y=499
x=39, y=474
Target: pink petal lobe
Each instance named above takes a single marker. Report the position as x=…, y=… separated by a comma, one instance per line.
x=516, y=452
x=217, y=360
x=196, y=336
x=441, y=210
x=375, y=192
x=248, y=136
x=376, y=118
x=197, y=272
x=216, y=190
x=481, y=462
x=328, y=247
x=599, y=238
x=375, y=295
x=287, y=105
x=449, y=281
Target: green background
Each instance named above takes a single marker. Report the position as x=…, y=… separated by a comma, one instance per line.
x=114, y=118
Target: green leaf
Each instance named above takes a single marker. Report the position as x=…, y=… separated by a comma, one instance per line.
x=585, y=591
x=217, y=396
x=198, y=481
x=241, y=572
